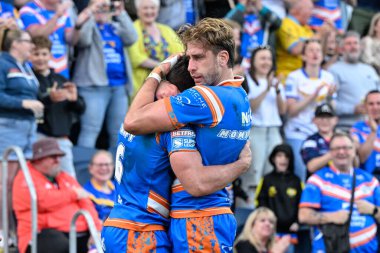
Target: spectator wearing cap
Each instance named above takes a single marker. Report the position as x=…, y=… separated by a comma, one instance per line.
x=59, y=197
x=315, y=149
x=366, y=135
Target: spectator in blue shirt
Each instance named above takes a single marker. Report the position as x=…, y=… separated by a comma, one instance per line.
x=100, y=186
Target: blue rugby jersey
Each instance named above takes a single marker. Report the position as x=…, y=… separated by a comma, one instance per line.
x=9, y=11
x=113, y=55
x=314, y=146
x=326, y=9
x=361, y=130
x=34, y=13
x=143, y=178
x=252, y=36
x=221, y=118
x=103, y=201
x=328, y=190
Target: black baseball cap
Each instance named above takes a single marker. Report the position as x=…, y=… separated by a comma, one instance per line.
x=324, y=110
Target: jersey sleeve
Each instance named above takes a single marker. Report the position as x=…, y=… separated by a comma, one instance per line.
x=29, y=17
x=376, y=194
x=198, y=105
x=288, y=35
x=311, y=194
x=357, y=133
x=309, y=150
x=291, y=90
x=181, y=140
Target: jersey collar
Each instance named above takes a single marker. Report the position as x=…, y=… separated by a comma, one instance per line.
x=236, y=82
x=338, y=172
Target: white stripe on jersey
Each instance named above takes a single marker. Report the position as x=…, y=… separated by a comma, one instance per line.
x=214, y=103
x=363, y=237
x=158, y=207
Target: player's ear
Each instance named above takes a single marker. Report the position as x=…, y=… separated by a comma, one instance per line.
x=222, y=58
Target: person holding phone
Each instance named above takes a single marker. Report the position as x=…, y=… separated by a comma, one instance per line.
x=102, y=70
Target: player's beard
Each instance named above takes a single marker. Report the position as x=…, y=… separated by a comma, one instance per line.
x=215, y=77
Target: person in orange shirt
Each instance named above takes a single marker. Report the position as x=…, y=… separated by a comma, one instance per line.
x=59, y=197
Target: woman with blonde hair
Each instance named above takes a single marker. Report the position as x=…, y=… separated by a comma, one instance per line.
x=155, y=41
x=258, y=235
x=371, y=44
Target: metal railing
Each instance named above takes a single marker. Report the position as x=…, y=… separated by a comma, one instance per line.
x=32, y=191
x=91, y=226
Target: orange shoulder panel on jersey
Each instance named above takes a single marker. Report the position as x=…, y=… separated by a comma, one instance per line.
x=213, y=102
x=173, y=118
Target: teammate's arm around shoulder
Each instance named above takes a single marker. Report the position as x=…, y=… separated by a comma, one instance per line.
x=145, y=115
x=200, y=180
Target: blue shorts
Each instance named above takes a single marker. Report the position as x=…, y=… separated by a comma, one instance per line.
x=117, y=240
x=204, y=234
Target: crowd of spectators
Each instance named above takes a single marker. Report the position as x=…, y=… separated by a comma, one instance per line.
x=70, y=69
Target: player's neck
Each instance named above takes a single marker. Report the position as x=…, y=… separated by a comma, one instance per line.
x=226, y=75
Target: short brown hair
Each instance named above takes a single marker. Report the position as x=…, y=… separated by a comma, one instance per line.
x=42, y=42
x=214, y=34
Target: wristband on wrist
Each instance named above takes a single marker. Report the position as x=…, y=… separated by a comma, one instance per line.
x=77, y=27
x=155, y=76
x=375, y=211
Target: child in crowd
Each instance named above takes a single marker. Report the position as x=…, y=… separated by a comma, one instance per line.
x=61, y=101
x=280, y=191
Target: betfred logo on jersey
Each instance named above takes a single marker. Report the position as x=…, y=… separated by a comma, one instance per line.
x=183, y=133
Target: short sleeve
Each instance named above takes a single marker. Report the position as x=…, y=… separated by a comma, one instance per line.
x=198, y=105
x=355, y=132
x=181, y=140
x=28, y=17
x=376, y=194
x=291, y=90
x=309, y=150
x=288, y=35
x=311, y=195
